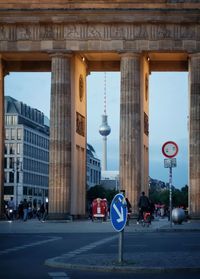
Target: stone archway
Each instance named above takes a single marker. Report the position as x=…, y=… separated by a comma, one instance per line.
x=134, y=38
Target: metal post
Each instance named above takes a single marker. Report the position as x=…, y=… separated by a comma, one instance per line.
x=121, y=246
x=15, y=183
x=170, y=194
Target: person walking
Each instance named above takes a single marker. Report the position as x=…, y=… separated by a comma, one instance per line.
x=143, y=206
x=42, y=212
x=25, y=210
x=129, y=210
x=20, y=210
x=45, y=214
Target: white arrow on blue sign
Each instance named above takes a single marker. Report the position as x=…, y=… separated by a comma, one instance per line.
x=118, y=212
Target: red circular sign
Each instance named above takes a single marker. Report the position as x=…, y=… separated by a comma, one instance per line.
x=170, y=149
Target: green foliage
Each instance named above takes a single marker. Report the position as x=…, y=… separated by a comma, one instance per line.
x=179, y=197
x=99, y=191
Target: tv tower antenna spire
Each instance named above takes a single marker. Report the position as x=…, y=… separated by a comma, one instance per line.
x=104, y=130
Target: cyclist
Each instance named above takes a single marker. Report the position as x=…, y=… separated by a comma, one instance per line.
x=143, y=205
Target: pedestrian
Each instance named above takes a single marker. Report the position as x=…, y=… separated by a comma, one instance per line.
x=25, y=210
x=143, y=206
x=30, y=212
x=42, y=211
x=46, y=211
x=11, y=208
x=129, y=209
x=20, y=210
x=11, y=203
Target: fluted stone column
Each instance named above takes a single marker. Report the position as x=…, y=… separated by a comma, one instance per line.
x=60, y=138
x=1, y=137
x=130, y=128
x=194, y=146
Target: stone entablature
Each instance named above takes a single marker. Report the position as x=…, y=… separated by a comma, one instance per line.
x=144, y=37
x=97, y=4
x=152, y=32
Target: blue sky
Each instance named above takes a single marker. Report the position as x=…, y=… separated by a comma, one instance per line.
x=168, y=114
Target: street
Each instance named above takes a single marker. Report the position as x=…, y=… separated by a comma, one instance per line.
x=23, y=255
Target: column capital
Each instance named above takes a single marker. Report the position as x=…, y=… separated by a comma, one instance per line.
x=194, y=55
x=61, y=54
x=130, y=55
x=3, y=66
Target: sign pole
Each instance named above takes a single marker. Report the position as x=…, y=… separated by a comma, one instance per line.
x=121, y=246
x=170, y=150
x=170, y=195
x=118, y=217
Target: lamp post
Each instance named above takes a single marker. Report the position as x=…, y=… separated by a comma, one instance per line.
x=17, y=170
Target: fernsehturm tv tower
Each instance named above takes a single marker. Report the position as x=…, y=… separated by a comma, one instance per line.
x=104, y=130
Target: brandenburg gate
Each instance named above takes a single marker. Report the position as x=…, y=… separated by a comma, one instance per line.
x=70, y=38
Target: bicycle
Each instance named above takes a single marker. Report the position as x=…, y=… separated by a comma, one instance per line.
x=146, y=221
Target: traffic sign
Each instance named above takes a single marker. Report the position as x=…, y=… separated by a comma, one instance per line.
x=170, y=149
x=170, y=163
x=118, y=212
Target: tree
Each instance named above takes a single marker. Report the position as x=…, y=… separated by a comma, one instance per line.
x=99, y=191
x=179, y=197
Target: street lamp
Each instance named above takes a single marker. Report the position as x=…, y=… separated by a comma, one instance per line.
x=17, y=170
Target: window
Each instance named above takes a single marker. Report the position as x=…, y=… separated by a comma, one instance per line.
x=8, y=190
x=14, y=119
x=11, y=163
x=13, y=134
x=10, y=119
x=24, y=190
x=19, y=134
x=6, y=120
x=7, y=134
x=12, y=148
x=18, y=148
x=30, y=191
x=17, y=177
x=6, y=149
x=5, y=177
x=25, y=135
x=11, y=176
x=5, y=163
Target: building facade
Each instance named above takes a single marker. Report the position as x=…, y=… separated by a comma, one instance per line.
x=93, y=167
x=26, y=159
x=110, y=180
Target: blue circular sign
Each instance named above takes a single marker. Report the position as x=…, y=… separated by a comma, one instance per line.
x=118, y=212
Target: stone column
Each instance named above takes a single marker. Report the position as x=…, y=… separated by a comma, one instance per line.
x=130, y=128
x=1, y=138
x=194, y=145
x=60, y=138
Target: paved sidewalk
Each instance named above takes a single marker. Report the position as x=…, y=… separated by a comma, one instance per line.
x=87, y=226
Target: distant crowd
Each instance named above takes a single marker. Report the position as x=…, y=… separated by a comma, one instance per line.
x=25, y=210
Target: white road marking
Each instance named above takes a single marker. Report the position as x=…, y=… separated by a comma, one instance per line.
x=82, y=249
x=131, y=245
x=18, y=248
x=58, y=275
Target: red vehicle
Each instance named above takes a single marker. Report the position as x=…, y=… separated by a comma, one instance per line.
x=99, y=209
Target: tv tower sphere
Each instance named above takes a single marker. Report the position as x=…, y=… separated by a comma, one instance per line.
x=104, y=129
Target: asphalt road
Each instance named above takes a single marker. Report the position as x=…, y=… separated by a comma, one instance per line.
x=23, y=255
